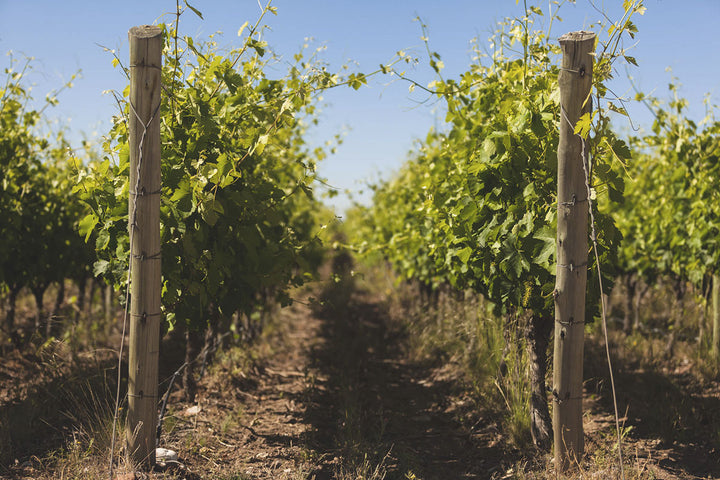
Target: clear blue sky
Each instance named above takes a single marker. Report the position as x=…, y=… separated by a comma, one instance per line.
x=381, y=121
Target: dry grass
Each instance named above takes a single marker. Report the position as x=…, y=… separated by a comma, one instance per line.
x=461, y=328
x=62, y=428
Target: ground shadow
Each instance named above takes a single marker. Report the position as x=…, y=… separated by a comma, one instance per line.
x=668, y=410
x=371, y=405
x=60, y=399
x=68, y=402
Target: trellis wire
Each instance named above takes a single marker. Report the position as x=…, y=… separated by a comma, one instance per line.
x=593, y=237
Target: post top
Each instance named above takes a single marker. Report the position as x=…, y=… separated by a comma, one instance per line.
x=579, y=36
x=145, y=31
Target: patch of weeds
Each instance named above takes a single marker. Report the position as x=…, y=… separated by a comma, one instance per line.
x=169, y=422
x=92, y=417
x=459, y=326
x=6, y=446
x=364, y=469
x=235, y=476
x=231, y=419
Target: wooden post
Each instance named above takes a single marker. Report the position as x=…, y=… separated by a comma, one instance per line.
x=107, y=304
x=715, y=347
x=144, y=222
x=575, y=80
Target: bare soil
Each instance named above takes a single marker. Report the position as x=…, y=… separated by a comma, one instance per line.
x=331, y=392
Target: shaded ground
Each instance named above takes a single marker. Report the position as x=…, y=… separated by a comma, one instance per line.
x=334, y=397
x=330, y=392
x=671, y=417
x=48, y=390
x=412, y=418
x=42, y=397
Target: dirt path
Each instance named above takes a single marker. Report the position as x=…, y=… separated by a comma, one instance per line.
x=337, y=397
x=330, y=392
x=387, y=412
x=250, y=418
x=333, y=397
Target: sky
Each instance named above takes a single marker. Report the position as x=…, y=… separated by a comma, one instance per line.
x=380, y=123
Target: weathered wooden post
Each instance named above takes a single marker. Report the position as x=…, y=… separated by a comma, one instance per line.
x=144, y=224
x=715, y=341
x=575, y=80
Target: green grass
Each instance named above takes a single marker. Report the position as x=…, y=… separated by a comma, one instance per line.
x=462, y=328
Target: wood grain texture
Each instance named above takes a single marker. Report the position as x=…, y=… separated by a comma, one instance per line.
x=572, y=250
x=144, y=220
